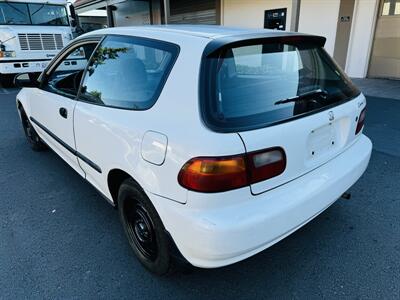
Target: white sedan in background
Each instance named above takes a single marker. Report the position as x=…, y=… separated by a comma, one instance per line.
x=214, y=143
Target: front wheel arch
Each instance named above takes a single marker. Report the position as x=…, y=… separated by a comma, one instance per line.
x=31, y=135
x=21, y=109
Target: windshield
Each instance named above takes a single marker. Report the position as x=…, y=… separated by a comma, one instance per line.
x=257, y=85
x=12, y=13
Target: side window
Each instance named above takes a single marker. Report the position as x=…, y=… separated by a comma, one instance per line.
x=128, y=72
x=66, y=77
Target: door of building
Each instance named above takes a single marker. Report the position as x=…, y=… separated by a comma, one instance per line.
x=193, y=12
x=385, y=58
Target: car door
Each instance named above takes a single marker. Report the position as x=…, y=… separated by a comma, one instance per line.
x=53, y=104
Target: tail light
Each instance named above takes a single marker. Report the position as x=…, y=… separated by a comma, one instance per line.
x=219, y=174
x=361, y=120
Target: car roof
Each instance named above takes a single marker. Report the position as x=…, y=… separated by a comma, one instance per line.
x=204, y=31
x=214, y=36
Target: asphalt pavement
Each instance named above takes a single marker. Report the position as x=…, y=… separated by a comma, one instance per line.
x=60, y=239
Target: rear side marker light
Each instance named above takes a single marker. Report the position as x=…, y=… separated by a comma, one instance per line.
x=361, y=120
x=219, y=174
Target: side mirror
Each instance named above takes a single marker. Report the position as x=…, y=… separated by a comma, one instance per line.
x=73, y=23
x=72, y=11
x=26, y=80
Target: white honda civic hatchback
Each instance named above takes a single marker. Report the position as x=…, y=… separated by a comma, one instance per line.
x=214, y=143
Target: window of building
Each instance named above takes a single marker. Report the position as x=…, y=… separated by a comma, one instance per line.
x=391, y=7
x=130, y=13
x=128, y=72
x=93, y=19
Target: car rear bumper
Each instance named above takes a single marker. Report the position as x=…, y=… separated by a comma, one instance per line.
x=216, y=236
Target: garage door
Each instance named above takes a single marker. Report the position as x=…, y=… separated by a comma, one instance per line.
x=192, y=12
x=385, y=59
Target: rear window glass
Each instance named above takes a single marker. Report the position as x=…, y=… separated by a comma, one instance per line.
x=256, y=85
x=128, y=72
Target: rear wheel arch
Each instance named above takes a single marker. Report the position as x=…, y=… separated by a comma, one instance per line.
x=115, y=178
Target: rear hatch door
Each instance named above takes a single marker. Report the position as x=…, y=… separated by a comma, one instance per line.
x=308, y=142
x=281, y=91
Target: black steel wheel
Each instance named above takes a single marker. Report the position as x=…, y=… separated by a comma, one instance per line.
x=143, y=228
x=140, y=229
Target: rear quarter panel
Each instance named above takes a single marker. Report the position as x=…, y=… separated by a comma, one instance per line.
x=112, y=137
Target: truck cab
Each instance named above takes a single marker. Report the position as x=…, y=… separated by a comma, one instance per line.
x=31, y=34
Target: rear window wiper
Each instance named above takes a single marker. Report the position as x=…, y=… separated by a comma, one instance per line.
x=308, y=95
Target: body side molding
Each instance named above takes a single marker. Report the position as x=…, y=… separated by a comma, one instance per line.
x=66, y=146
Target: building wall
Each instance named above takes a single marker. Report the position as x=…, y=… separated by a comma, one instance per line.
x=316, y=16
x=320, y=18
x=361, y=37
x=250, y=13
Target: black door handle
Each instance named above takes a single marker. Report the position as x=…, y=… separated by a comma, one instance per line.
x=63, y=112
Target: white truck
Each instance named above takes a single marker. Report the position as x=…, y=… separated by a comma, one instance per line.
x=32, y=32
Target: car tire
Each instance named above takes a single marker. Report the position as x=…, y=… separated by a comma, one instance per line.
x=30, y=133
x=144, y=228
